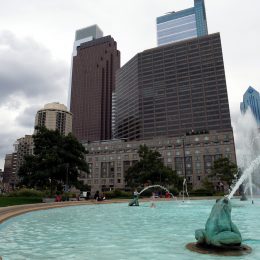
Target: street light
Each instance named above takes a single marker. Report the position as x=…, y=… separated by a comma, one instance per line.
x=184, y=157
x=184, y=164
x=66, y=186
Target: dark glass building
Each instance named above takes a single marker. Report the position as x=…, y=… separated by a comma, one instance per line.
x=95, y=61
x=173, y=89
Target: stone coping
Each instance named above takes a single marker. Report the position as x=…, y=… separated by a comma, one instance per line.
x=12, y=211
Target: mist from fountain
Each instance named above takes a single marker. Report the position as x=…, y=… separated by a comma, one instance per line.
x=247, y=140
x=246, y=174
x=250, y=186
x=185, y=190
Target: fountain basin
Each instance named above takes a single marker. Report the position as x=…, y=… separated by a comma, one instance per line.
x=116, y=231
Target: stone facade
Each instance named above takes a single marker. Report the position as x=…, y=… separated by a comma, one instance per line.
x=109, y=160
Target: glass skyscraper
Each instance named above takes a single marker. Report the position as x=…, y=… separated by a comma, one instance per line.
x=182, y=25
x=251, y=99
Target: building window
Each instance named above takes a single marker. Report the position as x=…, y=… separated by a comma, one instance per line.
x=118, y=180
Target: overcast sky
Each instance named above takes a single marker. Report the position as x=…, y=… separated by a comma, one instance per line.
x=36, y=39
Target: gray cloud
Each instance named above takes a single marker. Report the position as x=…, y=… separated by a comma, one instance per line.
x=29, y=70
x=6, y=146
x=29, y=78
x=27, y=116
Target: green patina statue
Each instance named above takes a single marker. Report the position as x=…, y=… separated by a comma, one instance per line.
x=220, y=231
x=134, y=201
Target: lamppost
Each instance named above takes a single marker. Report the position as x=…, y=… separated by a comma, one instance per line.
x=184, y=157
x=184, y=167
x=67, y=178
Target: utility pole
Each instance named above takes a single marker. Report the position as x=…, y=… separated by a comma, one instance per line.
x=67, y=178
x=184, y=167
x=184, y=157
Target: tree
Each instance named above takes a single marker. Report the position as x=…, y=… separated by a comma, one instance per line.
x=150, y=169
x=56, y=159
x=224, y=170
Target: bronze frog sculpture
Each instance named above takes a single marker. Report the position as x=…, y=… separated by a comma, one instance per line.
x=220, y=231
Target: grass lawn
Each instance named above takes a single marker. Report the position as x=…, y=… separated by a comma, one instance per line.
x=10, y=201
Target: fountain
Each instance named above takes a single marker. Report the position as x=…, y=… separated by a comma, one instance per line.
x=220, y=236
x=156, y=186
x=135, y=202
x=247, y=141
x=246, y=175
x=184, y=189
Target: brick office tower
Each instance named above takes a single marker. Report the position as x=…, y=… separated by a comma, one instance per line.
x=95, y=61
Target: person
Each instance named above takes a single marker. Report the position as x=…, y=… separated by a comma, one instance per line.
x=58, y=198
x=152, y=202
x=167, y=195
x=96, y=196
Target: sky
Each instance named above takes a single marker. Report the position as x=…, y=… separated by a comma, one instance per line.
x=36, y=40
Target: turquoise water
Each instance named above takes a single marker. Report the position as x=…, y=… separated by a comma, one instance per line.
x=116, y=231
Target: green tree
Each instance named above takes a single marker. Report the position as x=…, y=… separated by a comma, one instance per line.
x=207, y=184
x=150, y=169
x=57, y=159
x=224, y=170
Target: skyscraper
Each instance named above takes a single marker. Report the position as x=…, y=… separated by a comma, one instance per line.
x=55, y=116
x=251, y=99
x=173, y=89
x=95, y=61
x=182, y=25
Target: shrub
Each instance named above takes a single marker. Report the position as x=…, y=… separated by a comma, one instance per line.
x=174, y=191
x=26, y=193
x=201, y=192
x=117, y=194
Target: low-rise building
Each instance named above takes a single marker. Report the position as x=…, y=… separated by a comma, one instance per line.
x=23, y=146
x=190, y=155
x=10, y=169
